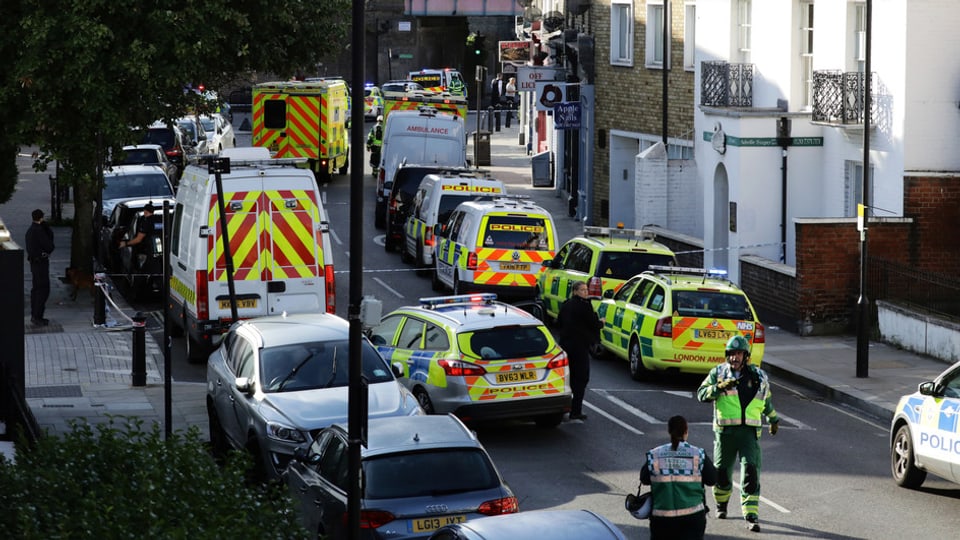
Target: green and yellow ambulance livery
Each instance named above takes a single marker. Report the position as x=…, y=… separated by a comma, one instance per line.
x=678, y=319
x=477, y=358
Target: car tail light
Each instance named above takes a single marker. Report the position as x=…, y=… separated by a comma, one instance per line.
x=759, y=334
x=664, y=327
x=506, y=505
x=203, y=312
x=471, y=261
x=558, y=361
x=428, y=238
x=381, y=178
x=458, y=368
x=393, y=206
x=331, y=288
x=372, y=519
x=173, y=153
x=595, y=286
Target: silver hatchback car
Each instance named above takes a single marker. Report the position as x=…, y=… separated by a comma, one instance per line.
x=276, y=381
x=418, y=474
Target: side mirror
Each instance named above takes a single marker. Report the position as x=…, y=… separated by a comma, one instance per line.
x=438, y=230
x=547, y=263
x=608, y=293
x=928, y=388
x=397, y=368
x=244, y=384
x=300, y=454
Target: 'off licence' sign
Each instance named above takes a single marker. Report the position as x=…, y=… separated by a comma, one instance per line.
x=529, y=76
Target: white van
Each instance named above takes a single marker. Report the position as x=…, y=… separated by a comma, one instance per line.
x=437, y=196
x=279, y=246
x=421, y=137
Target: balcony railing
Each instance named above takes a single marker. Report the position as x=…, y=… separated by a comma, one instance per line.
x=723, y=84
x=838, y=96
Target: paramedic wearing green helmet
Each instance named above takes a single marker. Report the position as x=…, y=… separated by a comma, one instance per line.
x=740, y=393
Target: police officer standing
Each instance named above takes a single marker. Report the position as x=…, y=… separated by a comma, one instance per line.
x=374, y=143
x=579, y=329
x=740, y=393
x=39, y=243
x=146, y=229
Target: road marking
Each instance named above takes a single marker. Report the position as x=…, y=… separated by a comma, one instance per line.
x=380, y=240
x=767, y=501
x=387, y=287
x=629, y=408
x=333, y=234
x=613, y=419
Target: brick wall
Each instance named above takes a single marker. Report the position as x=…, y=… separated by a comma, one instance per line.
x=772, y=289
x=934, y=204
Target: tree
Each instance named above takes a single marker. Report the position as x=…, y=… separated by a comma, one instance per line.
x=82, y=73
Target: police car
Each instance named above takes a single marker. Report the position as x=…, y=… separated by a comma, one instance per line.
x=372, y=101
x=925, y=432
x=604, y=258
x=679, y=319
x=477, y=358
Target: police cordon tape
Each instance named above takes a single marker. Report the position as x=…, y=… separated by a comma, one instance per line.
x=746, y=246
x=104, y=288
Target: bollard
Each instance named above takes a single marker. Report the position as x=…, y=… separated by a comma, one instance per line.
x=490, y=118
x=139, y=350
x=496, y=117
x=99, y=300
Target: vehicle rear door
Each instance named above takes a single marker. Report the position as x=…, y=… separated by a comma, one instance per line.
x=512, y=247
x=292, y=269
x=705, y=318
x=242, y=208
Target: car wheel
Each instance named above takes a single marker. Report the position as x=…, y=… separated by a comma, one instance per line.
x=424, y=400
x=549, y=420
x=258, y=471
x=547, y=319
x=598, y=352
x=176, y=324
x=637, y=370
x=196, y=353
x=218, y=439
x=902, y=463
x=379, y=216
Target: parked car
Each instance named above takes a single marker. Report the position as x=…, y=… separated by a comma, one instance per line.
x=147, y=154
x=219, y=132
x=419, y=474
x=196, y=134
x=114, y=229
x=274, y=382
x=924, y=432
x=402, y=86
x=142, y=264
x=372, y=101
x=174, y=142
x=393, y=211
x=552, y=524
x=127, y=182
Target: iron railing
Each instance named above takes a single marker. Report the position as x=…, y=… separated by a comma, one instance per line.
x=929, y=291
x=838, y=96
x=723, y=84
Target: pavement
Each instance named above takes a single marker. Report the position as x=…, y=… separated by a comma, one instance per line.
x=79, y=371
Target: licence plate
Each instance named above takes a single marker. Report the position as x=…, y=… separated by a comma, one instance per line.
x=434, y=523
x=714, y=334
x=523, y=267
x=516, y=376
x=243, y=303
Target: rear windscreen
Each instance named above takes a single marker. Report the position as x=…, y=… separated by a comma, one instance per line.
x=139, y=157
x=516, y=232
x=407, y=475
x=449, y=203
x=712, y=304
x=626, y=264
x=162, y=136
x=509, y=342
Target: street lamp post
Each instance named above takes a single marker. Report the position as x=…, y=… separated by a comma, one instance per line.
x=863, y=304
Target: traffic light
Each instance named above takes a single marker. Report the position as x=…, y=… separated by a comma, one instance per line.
x=477, y=47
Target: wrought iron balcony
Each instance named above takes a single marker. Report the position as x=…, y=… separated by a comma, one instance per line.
x=723, y=84
x=838, y=96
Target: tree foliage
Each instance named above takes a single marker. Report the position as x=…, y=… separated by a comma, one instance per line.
x=78, y=74
x=118, y=480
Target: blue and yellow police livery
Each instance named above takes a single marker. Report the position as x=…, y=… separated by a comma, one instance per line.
x=925, y=432
x=477, y=358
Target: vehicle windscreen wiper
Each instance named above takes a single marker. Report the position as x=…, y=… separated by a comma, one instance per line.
x=333, y=371
x=294, y=371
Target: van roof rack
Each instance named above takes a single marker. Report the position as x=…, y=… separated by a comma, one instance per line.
x=619, y=232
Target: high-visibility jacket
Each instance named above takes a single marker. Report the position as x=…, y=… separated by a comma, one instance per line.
x=375, y=137
x=676, y=479
x=728, y=410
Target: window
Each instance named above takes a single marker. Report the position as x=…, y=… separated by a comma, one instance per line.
x=853, y=188
x=806, y=52
x=656, y=299
x=395, y=476
x=411, y=335
x=654, y=45
x=744, y=28
x=242, y=358
x=621, y=32
x=436, y=339
x=626, y=264
x=579, y=259
x=275, y=114
x=384, y=332
x=508, y=342
x=626, y=290
x=333, y=463
x=642, y=292
x=689, y=36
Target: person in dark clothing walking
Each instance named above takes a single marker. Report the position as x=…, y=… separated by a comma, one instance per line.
x=497, y=89
x=579, y=330
x=39, y=243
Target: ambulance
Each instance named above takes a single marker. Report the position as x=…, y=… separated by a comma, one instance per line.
x=415, y=99
x=308, y=120
x=280, y=251
x=434, y=201
x=440, y=80
x=494, y=246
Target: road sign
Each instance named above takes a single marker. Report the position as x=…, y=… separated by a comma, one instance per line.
x=529, y=76
x=566, y=115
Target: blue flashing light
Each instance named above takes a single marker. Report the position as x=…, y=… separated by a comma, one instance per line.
x=717, y=272
x=435, y=301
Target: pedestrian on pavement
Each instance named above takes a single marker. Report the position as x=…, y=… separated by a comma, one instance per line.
x=39, y=243
x=510, y=93
x=375, y=143
x=497, y=89
x=740, y=393
x=677, y=472
x=149, y=226
x=579, y=330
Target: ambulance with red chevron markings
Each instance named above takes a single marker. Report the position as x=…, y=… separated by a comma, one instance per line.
x=296, y=119
x=280, y=255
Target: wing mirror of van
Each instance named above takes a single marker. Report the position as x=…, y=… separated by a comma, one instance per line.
x=397, y=368
x=547, y=263
x=440, y=229
x=608, y=293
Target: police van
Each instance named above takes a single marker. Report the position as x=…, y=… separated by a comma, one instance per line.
x=494, y=246
x=434, y=201
x=280, y=252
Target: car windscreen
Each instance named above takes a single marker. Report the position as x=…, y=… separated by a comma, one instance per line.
x=626, y=264
x=407, y=475
x=509, y=342
x=407, y=181
x=319, y=364
x=139, y=157
x=207, y=123
x=712, y=304
x=515, y=232
x=145, y=185
x=449, y=202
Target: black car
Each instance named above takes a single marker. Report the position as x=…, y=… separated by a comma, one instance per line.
x=114, y=229
x=142, y=264
x=392, y=211
x=176, y=144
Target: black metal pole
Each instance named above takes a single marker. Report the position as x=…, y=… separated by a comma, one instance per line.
x=218, y=166
x=167, y=345
x=356, y=405
x=666, y=43
x=139, y=370
x=863, y=304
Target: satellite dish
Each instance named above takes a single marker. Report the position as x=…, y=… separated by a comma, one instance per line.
x=525, y=3
x=553, y=21
x=531, y=14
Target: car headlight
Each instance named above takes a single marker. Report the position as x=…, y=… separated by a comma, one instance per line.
x=284, y=433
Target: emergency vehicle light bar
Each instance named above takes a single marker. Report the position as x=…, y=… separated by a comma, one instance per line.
x=274, y=162
x=718, y=272
x=590, y=230
x=434, y=301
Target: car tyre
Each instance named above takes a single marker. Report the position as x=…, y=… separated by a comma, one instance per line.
x=638, y=371
x=424, y=400
x=549, y=420
x=903, y=462
x=196, y=352
x=547, y=319
x=380, y=216
x=257, y=472
x=218, y=439
x=176, y=323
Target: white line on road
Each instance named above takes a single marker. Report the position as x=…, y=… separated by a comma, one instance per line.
x=387, y=287
x=767, y=501
x=333, y=234
x=629, y=408
x=613, y=419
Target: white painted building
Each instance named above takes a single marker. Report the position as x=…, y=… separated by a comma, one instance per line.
x=805, y=56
